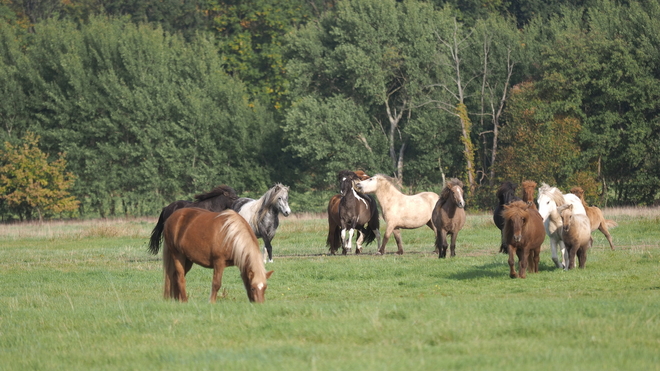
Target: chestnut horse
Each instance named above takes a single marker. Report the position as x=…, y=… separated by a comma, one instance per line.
x=529, y=186
x=524, y=234
x=212, y=240
x=449, y=216
x=356, y=211
x=334, y=230
x=596, y=218
x=399, y=210
x=505, y=195
x=549, y=199
x=219, y=199
x=576, y=234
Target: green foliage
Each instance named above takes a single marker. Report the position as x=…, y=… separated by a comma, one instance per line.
x=29, y=182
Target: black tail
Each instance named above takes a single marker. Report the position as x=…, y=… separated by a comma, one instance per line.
x=374, y=223
x=157, y=234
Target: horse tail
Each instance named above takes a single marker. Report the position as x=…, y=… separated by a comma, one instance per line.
x=157, y=234
x=610, y=223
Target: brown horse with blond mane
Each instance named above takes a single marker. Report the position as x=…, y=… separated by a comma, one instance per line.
x=596, y=218
x=212, y=240
x=576, y=234
x=523, y=234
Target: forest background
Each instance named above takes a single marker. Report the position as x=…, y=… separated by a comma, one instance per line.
x=118, y=107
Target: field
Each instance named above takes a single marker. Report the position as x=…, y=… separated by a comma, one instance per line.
x=87, y=295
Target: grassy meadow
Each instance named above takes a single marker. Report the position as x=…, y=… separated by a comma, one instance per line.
x=87, y=295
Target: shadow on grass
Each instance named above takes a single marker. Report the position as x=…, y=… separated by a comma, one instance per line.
x=494, y=270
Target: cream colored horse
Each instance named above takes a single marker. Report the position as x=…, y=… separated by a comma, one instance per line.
x=399, y=210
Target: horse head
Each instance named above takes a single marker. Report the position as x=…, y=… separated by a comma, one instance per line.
x=517, y=213
x=256, y=286
x=566, y=213
x=454, y=189
x=548, y=200
x=506, y=193
x=282, y=194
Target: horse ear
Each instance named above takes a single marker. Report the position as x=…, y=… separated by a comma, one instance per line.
x=250, y=275
x=570, y=206
x=268, y=274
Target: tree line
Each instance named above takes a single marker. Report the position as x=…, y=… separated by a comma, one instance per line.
x=152, y=101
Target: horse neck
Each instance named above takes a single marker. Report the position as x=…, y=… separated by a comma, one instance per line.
x=386, y=193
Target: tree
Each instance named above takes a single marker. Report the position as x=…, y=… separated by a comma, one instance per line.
x=28, y=181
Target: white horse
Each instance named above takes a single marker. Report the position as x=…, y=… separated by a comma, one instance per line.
x=263, y=214
x=550, y=198
x=399, y=210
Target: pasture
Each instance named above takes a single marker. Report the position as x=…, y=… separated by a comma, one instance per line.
x=88, y=295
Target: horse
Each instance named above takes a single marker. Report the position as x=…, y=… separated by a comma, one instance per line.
x=524, y=234
x=399, y=210
x=596, y=218
x=548, y=200
x=263, y=214
x=212, y=240
x=220, y=198
x=356, y=211
x=449, y=216
x=529, y=186
x=576, y=234
x=505, y=195
x=333, y=240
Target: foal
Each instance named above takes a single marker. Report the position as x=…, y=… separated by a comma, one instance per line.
x=449, y=216
x=596, y=218
x=576, y=234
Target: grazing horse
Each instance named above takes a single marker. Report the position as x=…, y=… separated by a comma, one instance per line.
x=356, y=211
x=263, y=214
x=218, y=199
x=524, y=234
x=212, y=240
x=576, y=234
x=449, y=216
x=529, y=186
x=549, y=199
x=334, y=229
x=505, y=195
x=596, y=218
x=399, y=210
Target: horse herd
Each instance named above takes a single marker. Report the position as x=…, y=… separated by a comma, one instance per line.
x=219, y=229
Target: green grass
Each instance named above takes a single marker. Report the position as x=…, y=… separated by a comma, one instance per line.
x=87, y=295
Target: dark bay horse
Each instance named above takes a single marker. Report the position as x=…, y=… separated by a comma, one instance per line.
x=356, y=211
x=524, y=234
x=449, y=216
x=212, y=240
x=334, y=229
x=505, y=195
x=263, y=214
x=596, y=218
x=220, y=198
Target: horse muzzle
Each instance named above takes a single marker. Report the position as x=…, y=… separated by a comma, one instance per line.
x=517, y=237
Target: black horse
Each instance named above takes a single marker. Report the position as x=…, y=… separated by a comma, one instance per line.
x=505, y=195
x=219, y=199
x=356, y=211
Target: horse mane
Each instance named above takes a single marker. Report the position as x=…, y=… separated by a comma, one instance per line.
x=505, y=188
x=243, y=252
x=516, y=208
x=390, y=180
x=267, y=199
x=221, y=190
x=553, y=192
x=446, y=191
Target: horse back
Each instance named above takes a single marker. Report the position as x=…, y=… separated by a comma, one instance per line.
x=199, y=234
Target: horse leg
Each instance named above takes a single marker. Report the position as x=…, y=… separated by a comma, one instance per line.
x=358, y=243
x=453, y=243
x=604, y=230
x=180, y=277
x=442, y=246
x=399, y=244
x=553, y=247
x=218, y=268
x=503, y=246
x=268, y=248
x=522, y=261
x=533, y=261
x=512, y=262
x=564, y=254
x=388, y=233
x=349, y=241
x=572, y=250
x=343, y=241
